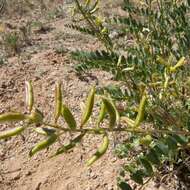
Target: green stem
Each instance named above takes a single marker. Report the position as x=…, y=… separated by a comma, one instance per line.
x=93, y=26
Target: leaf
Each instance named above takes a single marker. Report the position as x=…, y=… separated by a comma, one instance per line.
x=153, y=157
x=147, y=165
x=161, y=148
x=171, y=142
x=138, y=176
x=124, y=186
x=180, y=139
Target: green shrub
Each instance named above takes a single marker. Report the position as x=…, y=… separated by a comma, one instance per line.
x=147, y=50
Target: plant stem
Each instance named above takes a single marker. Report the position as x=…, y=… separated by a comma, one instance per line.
x=91, y=23
x=127, y=129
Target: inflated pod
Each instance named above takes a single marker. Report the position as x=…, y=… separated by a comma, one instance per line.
x=9, y=117
x=11, y=132
x=36, y=116
x=68, y=116
x=141, y=110
x=180, y=63
x=100, y=152
x=87, y=3
x=88, y=106
x=102, y=114
x=112, y=111
x=94, y=7
x=43, y=144
x=58, y=101
x=29, y=95
x=69, y=146
x=128, y=121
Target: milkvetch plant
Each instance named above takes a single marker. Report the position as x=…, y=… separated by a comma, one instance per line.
x=150, y=59
x=171, y=139
x=147, y=51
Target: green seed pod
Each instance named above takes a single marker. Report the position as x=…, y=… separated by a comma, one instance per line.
x=101, y=114
x=58, y=101
x=69, y=146
x=112, y=111
x=100, y=152
x=94, y=7
x=68, y=116
x=128, y=121
x=180, y=63
x=36, y=116
x=88, y=106
x=9, y=117
x=29, y=95
x=11, y=132
x=87, y=3
x=43, y=144
x=141, y=111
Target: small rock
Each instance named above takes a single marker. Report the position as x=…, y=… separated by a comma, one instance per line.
x=28, y=173
x=16, y=175
x=113, y=159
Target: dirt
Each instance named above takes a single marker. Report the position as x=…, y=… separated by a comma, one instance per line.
x=44, y=65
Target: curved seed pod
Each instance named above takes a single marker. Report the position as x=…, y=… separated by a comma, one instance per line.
x=180, y=63
x=101, y=114
x=11, y=132
x=94, y=7
x=58, y=101
x=29, y=95
x=36, y=116
x=69, y=146
x=9, y=117
x=111, y=111
x=128, y=121
x=100, y=152
x=68, y=116
x=147, y=165
x=43, y=144
x=87, y=3
x=141, y=110
x=88, y=106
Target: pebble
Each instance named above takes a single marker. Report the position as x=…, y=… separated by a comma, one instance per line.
x=16, y=175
